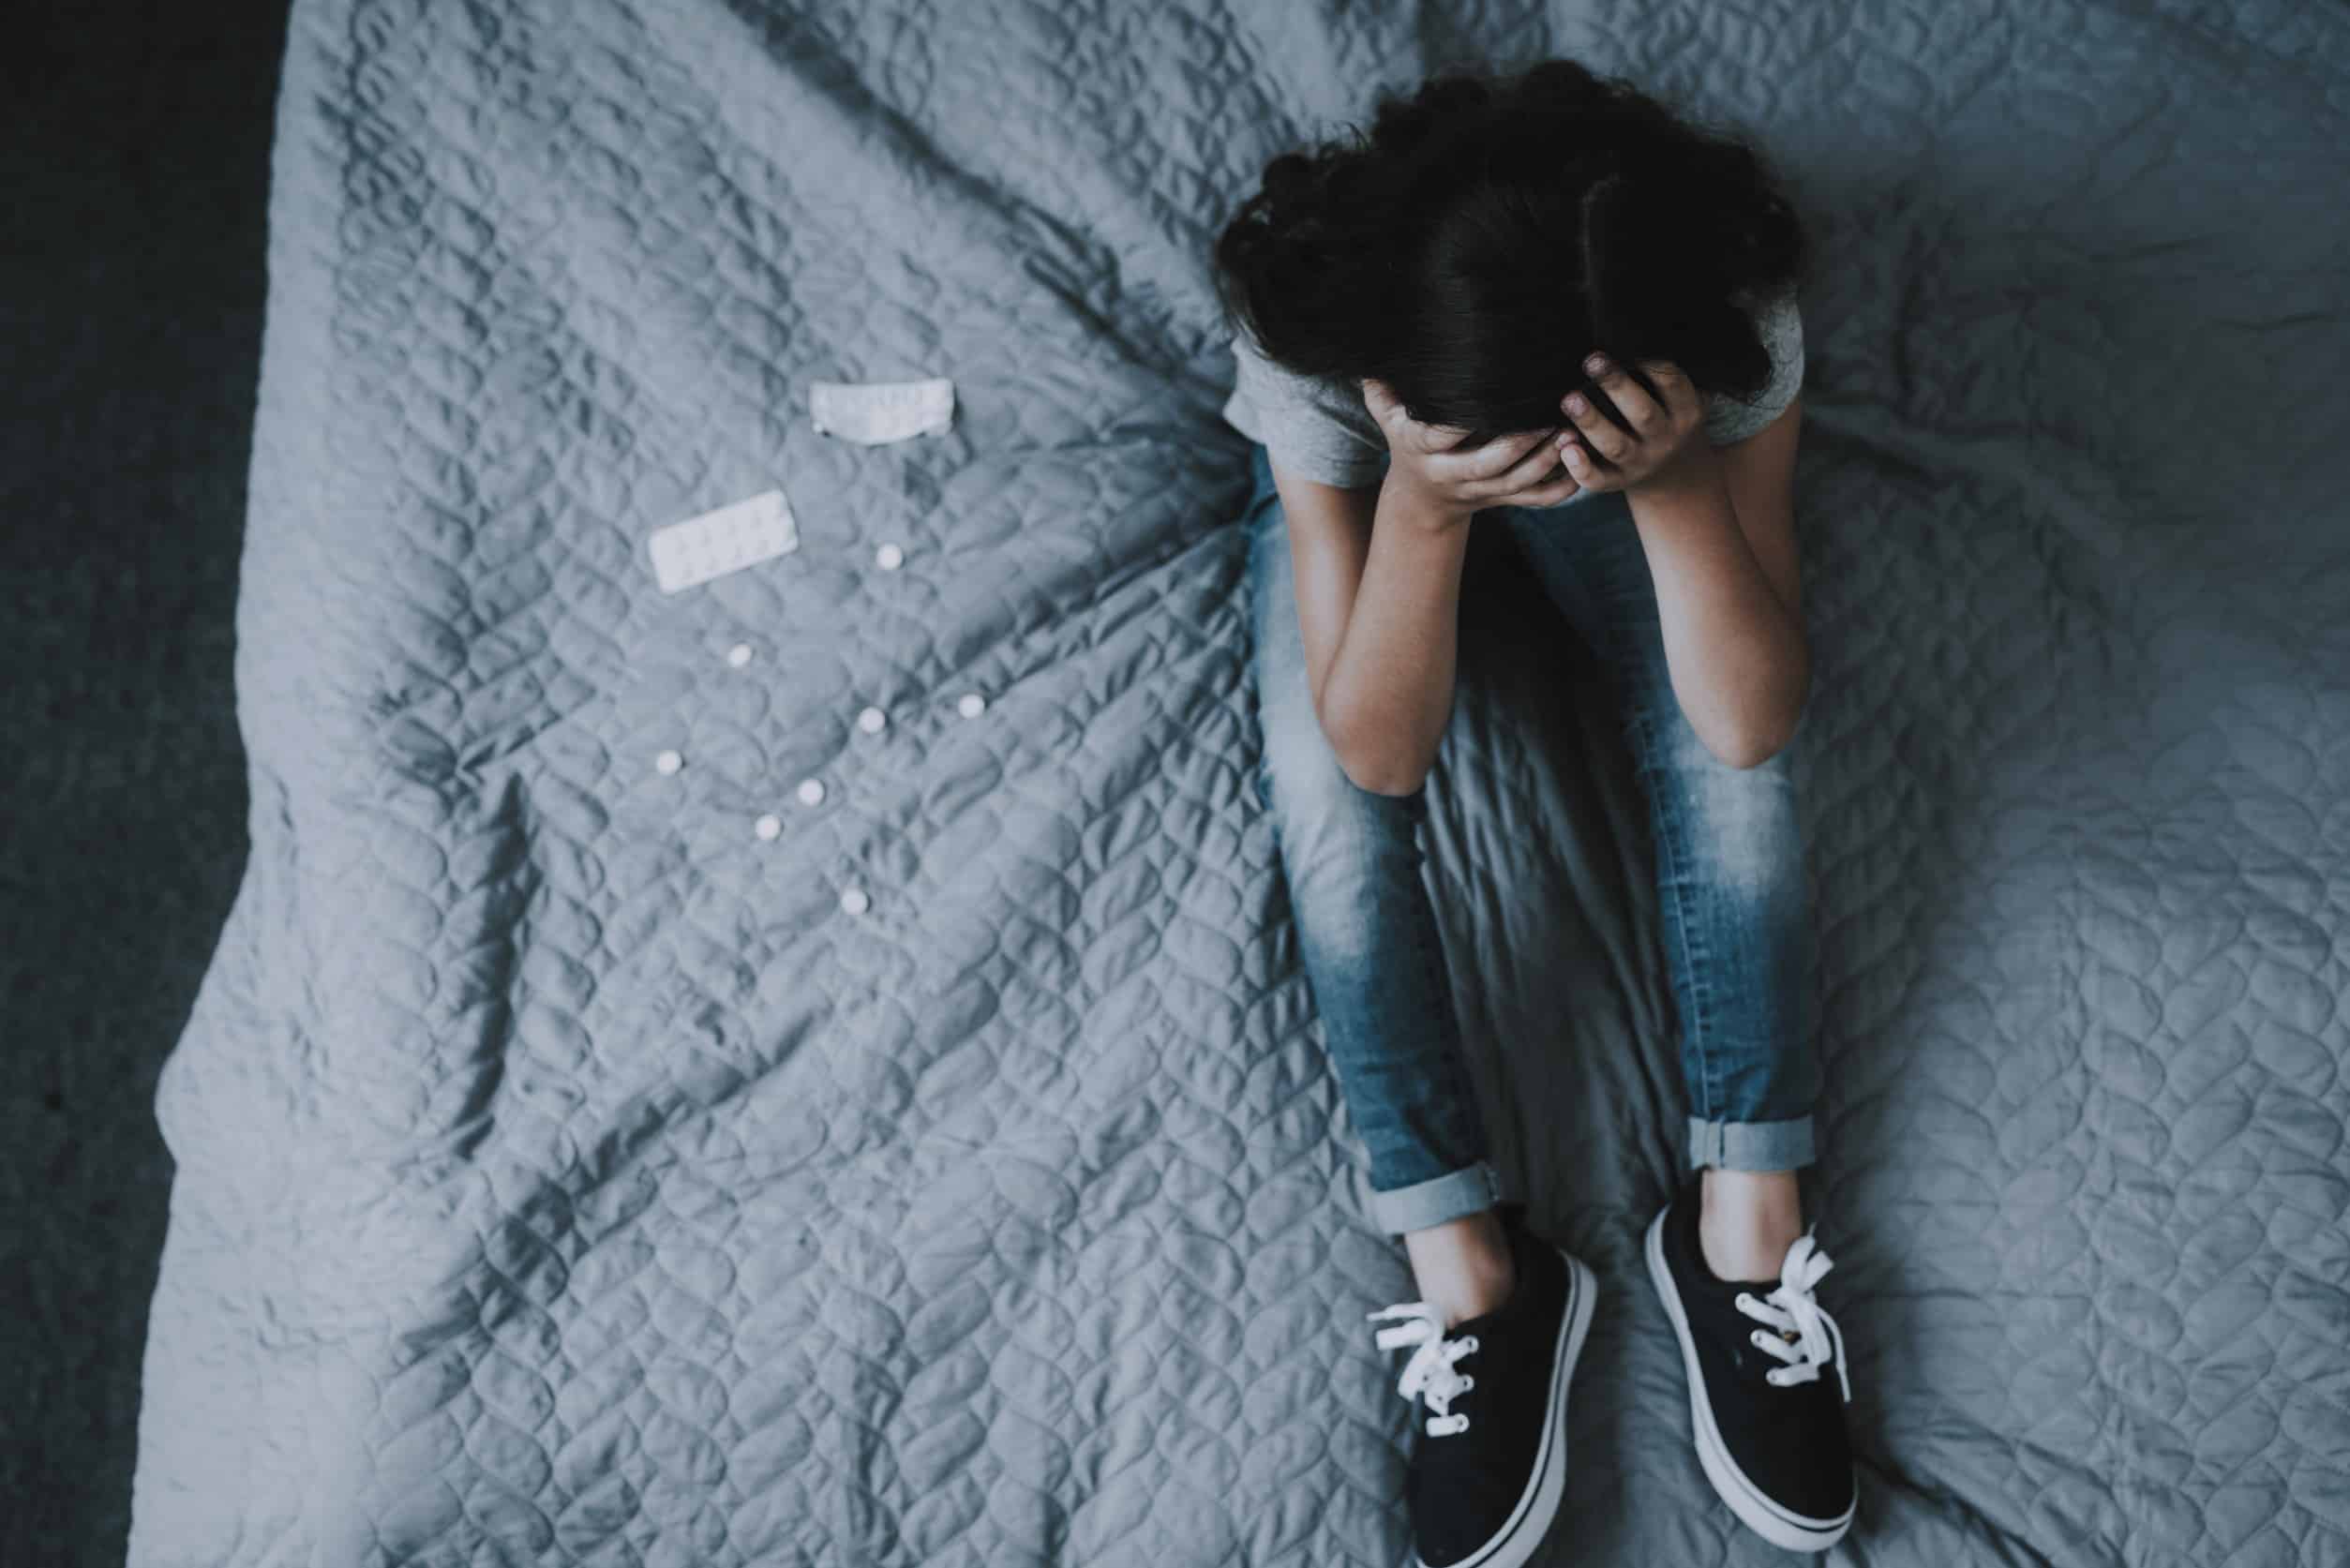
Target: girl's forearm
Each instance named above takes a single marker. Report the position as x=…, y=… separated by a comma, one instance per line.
x=1389, y=691
x=1740, y=663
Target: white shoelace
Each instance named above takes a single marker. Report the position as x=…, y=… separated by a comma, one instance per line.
x=1428, y=1375
x=1807, y=1337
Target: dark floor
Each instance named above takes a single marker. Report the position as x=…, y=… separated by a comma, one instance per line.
x=136, y=161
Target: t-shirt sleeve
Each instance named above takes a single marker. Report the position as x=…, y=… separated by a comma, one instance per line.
x=1732, y=419
x=1312, y=425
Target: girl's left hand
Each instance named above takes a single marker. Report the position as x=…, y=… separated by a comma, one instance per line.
x=1666, y=440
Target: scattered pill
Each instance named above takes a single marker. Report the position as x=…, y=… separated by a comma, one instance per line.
x=871, y=720
x=769, y=826
x=888, y=558
x=669, y=762
x=738, y=656
x=854, y=901
x=812, y=792
x=972, y=705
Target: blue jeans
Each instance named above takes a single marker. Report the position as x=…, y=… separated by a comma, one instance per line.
x=1730, y=874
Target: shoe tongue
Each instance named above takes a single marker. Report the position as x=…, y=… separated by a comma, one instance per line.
x=1760, y=1290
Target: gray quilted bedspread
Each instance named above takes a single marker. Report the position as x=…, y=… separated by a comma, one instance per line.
x=568, y=1173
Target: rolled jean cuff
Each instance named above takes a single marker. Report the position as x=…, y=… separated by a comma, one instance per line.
x=1433, y=1202
x=1751, y=1146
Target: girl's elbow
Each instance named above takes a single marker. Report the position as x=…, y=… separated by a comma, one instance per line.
x=1758, y=739
x=1380, y=766
x=1384, y=775
x=1750, y=747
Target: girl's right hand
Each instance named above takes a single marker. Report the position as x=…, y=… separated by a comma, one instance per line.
x=1452, y=483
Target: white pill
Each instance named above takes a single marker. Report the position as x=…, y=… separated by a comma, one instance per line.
x=669, y=762
x=871, y=720
x=769, y=826
x=888, y=558
x=738, y=656
x=854, y=900
x=812, y=792
x=972, y=705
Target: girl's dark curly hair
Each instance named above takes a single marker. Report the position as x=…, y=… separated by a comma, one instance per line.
x=1490, y=231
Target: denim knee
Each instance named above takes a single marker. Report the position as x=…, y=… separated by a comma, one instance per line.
x=1329, y=827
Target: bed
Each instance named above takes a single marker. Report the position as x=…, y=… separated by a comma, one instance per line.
x=907, y=1140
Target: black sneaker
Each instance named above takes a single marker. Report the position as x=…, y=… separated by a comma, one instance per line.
x=1489, y=1465
x=1766, y=1383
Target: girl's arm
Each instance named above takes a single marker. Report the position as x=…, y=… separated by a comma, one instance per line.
x=1378, y=577
x=1740, y=666
x=1760, y=473
x=1718, y=529
x=1379, y=584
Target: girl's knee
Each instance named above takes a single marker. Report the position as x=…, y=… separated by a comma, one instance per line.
x=1741, y=825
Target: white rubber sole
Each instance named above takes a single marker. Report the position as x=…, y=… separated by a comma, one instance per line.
x=1775, y=1524
x=1521, y=1533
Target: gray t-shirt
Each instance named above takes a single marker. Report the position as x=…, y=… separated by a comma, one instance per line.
x=1317, y=426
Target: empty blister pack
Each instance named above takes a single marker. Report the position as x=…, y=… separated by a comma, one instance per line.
x=874, y=412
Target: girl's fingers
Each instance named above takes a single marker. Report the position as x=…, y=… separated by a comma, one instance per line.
x=1671, y=386
x=1403, y=429
x=1684, y=406
x=1631, y=399
x=1547, y=495
x=1586, y=472
x=1479, y=470
x=1602, y=433
x=1534, y=459
x=1388, y=410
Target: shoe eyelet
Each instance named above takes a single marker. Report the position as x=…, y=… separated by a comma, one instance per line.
x=1467, y=1383
x=1469, y=1344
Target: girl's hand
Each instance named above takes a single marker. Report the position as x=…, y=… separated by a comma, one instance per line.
x=1516, y=469
x=1664, y=442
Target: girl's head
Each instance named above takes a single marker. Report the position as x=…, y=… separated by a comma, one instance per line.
x=1490, y=232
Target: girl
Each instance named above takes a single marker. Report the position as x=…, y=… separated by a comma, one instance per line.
x=1543, y=301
